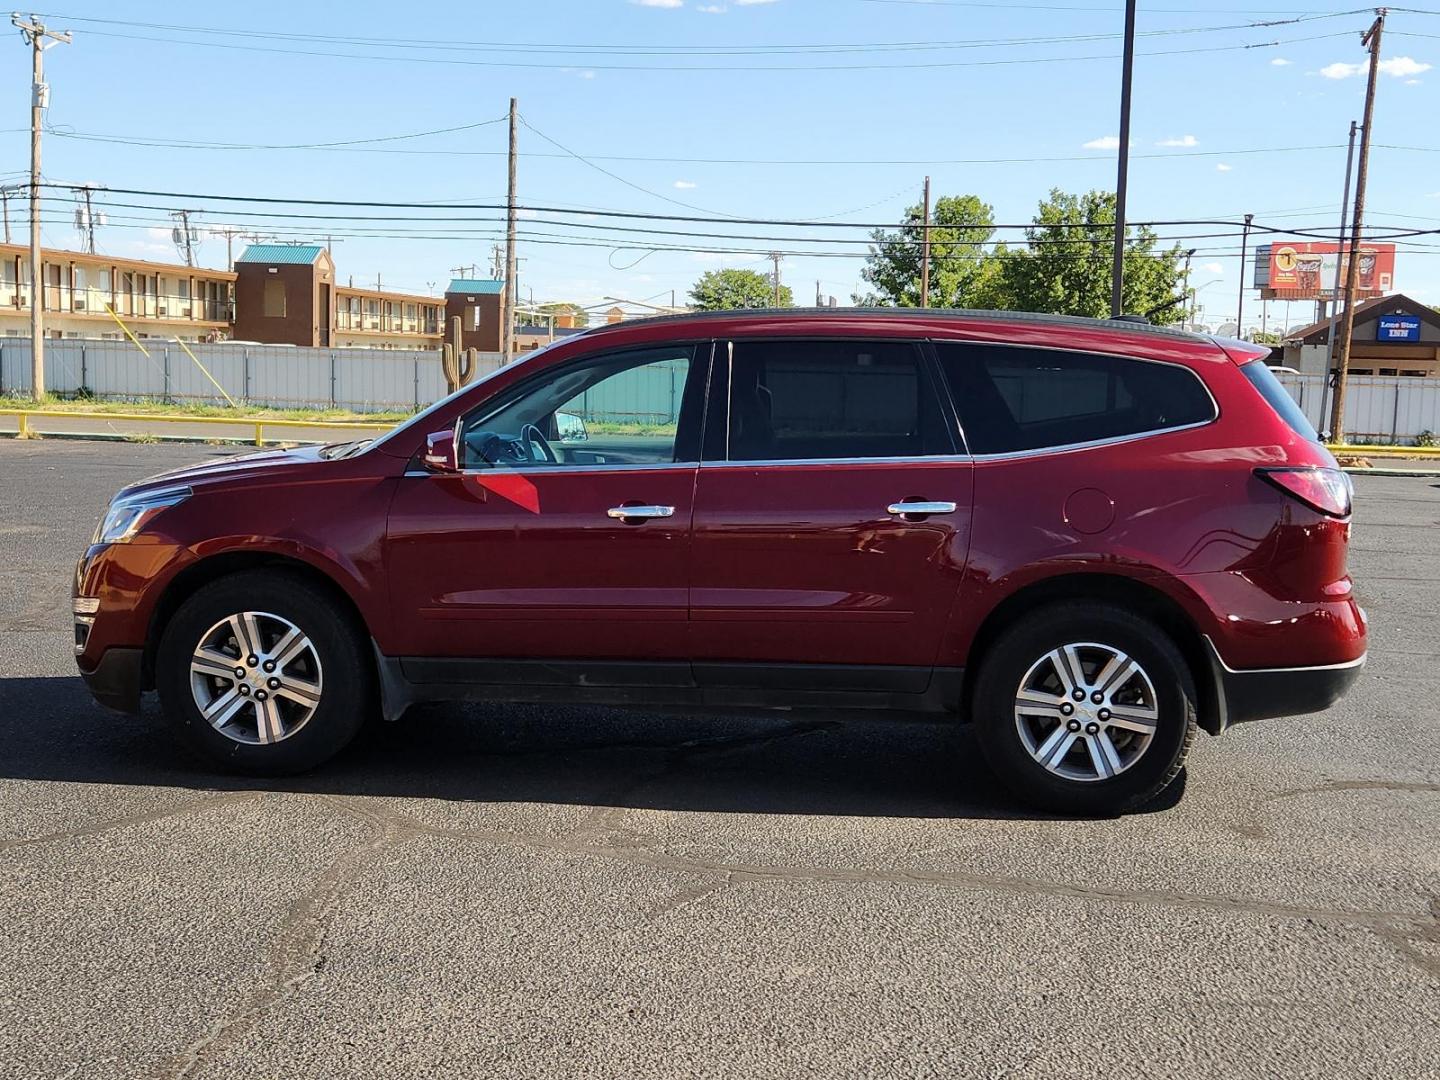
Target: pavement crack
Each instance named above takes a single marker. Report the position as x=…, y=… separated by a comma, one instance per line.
x=1330, y=786
x=688, y=896
x=297, y=952
x=125, y=821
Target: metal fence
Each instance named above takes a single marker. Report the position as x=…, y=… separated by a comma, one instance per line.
x=1378, y=408
x=282, y=376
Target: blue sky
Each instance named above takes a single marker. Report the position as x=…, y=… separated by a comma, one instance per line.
x=843, y=134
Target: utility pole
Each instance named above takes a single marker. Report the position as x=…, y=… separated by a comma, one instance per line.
x=924, y=253
x=1335, y=292
x=1240, y=304
x=5, y=201
x=183, y=241
x=1352, y=269
x=38, y=39
x=1122, y=168
x=86, y=192
x=507, y=320
x=229, y=232
x=775, y=258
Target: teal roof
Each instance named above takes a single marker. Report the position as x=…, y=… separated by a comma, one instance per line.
x=301, y=254
x=482, y=286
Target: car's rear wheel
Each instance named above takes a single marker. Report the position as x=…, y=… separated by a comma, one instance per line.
x=260, y=673
x=1085, y=708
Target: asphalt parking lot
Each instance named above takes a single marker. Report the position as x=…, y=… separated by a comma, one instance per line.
x=485, y=891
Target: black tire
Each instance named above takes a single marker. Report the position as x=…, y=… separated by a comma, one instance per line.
x=345, y=702
x=1024, y=644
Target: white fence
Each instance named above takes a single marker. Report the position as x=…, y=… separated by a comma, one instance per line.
x=283, y=376
x=1378, y=408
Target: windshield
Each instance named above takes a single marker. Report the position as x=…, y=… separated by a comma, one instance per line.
x=421, y=418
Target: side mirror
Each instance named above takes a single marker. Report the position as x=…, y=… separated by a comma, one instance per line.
x=570, y=428
x=442, y=454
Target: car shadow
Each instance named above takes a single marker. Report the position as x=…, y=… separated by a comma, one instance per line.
x=50, y=729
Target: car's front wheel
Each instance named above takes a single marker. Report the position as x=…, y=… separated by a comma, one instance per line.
x=260, y=673
x=1085, y=708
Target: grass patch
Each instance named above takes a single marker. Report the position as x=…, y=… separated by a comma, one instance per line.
x=195, y=408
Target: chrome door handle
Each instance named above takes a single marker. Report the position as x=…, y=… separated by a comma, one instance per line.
x=907, y=509
x=621, y=513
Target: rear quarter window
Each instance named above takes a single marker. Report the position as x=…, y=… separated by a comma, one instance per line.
x=1011, y=399
x=1278, y=398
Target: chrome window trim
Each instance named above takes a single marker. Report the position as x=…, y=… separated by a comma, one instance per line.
x=934, y=344
x=909, y=459
x=553, y=470
x=1115, y=440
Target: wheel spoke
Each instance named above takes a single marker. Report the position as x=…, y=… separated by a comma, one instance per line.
x=211, y=662
x=1141, y=718
x=1056, y=749
x=1102, y=755
x=1059, y=662
x=225, y=707
x=1034, y=703
x=1118, y=670
x=267, y=721
x=289, y=647
x=304, y=691
x=247, y=633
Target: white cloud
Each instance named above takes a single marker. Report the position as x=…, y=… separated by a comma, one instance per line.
x=753, y=3
x=1222, y=167
x=659, y=3
x=712, y=9
x=1398, y=66
x=686, y=185
x=1212, y=268
x=1412, y=82
x=1183, y=140
x=1105, y=142
x=1280, y=61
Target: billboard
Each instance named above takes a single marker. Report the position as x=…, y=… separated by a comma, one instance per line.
x=1306, y=271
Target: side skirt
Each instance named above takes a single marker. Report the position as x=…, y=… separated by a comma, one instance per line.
x=670, y=686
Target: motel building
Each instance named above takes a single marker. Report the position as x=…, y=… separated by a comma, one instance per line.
x=154, y=299
x=278, y=294
x=1393, y=335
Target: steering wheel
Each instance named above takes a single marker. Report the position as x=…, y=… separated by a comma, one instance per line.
x=534, y=440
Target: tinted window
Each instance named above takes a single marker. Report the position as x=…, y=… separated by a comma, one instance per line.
x=1264, y=380
x=832, y=399
x=1013, y=399
x=622, y=409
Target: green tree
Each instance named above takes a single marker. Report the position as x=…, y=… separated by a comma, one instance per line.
x=724, y=290
x=1065, y=266
x=961, y=270
x=561, y=307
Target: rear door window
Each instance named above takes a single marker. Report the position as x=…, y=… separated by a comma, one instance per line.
x=797, y=400
x=1012, y=399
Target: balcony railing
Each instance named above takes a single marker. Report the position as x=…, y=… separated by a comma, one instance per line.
x=63, y=300
x=390, y=324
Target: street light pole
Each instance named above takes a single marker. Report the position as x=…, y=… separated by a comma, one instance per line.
x=1117, y=267
x=1240, y=305
x=38, y=38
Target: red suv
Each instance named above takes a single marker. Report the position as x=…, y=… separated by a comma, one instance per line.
x=1088, y=538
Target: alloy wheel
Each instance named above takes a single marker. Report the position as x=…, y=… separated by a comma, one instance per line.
x=1086, y=711
x=256, y=677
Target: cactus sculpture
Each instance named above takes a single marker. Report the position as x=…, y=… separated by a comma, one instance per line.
x=459, y=363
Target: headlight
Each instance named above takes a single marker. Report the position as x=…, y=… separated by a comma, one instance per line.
x=128, y=514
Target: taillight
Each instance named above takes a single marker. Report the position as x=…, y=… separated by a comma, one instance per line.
x=1326, y=490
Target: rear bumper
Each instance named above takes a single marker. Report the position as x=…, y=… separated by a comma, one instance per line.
x=1265, y=693
x=115, y=680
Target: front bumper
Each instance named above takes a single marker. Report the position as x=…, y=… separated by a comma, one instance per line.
x=115, y=680
x=1266, y=693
